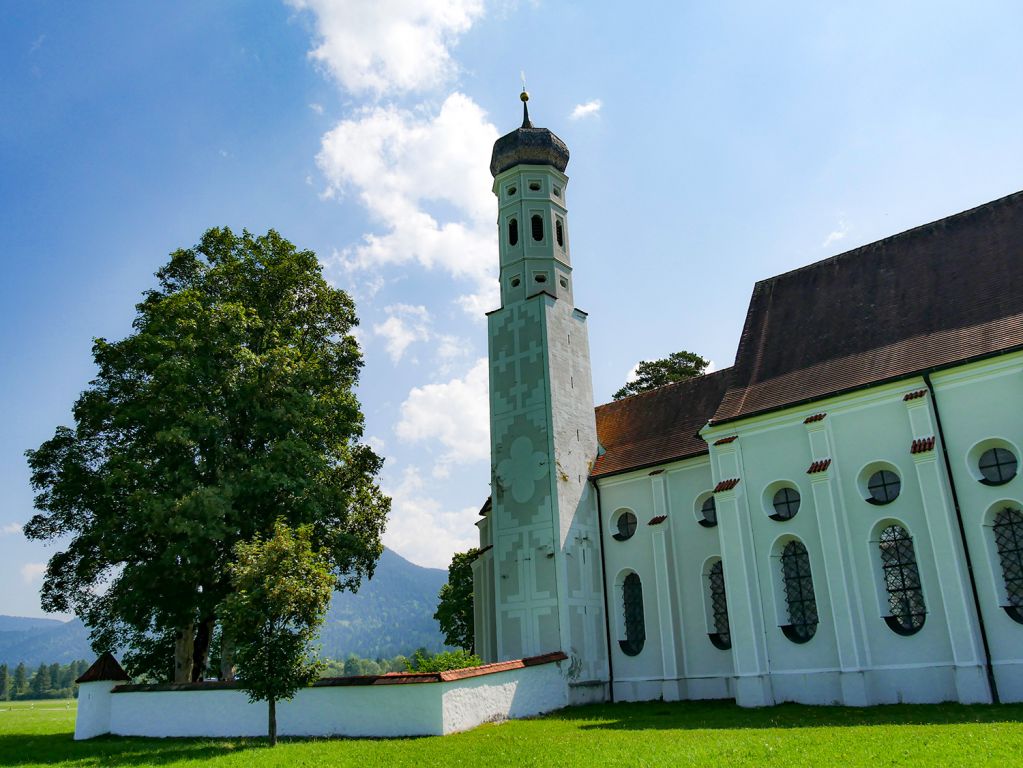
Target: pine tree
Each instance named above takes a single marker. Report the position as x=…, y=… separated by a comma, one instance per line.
x=5, y=683
x=41, y=682
x=20, y=681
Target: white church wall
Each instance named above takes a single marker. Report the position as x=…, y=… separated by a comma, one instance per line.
x=980, y=408
x=379, y=710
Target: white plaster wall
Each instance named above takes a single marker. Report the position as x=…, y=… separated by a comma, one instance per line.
x=418, y=709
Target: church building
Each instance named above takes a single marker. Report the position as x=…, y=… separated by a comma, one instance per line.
x=835, y=519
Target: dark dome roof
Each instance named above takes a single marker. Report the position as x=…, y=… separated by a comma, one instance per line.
x=528, y=145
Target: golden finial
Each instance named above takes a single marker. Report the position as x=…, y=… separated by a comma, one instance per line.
x=525, y=109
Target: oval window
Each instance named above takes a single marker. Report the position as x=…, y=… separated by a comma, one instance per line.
x=537, y=225
x=785, y=503
x=626, y=525
x=513, y=232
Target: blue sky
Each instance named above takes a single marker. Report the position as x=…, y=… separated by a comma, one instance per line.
x=713, y=144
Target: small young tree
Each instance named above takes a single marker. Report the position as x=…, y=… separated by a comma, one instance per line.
x=281, y=587
x=454, y=611
x=675, y=367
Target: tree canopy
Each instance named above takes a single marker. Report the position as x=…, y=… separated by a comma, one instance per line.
x=454, y=610
x=228, y=407
x=677, y=366
x=280, y=591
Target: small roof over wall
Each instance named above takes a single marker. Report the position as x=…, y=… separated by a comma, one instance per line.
x=105, y=668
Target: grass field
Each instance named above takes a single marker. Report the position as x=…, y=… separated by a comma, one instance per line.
x=706, y=733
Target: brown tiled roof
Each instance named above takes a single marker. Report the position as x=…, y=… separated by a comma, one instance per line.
x=104, y=668
x=936, y=295
x=657, y=426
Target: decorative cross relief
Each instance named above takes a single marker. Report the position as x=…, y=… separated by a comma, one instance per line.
x=522, y=469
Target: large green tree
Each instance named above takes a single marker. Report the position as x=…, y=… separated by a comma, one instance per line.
x=656, y=373
x=281, y=589
x=454, y=611
x=229, y=406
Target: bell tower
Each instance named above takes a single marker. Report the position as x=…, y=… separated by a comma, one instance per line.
x=545, y=577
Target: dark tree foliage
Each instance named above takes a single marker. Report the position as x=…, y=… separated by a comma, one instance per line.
x=675, y=367
x=454, y=611
x=229, y=406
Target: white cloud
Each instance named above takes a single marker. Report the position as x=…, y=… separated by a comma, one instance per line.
x=10, y=528
x=424, y=178
x=421, y=529
x=454, y=413
x=589, y=109
x=404, y=325
x=837, y=234
x=317, y=108
x=32, y=572
x=386, y=46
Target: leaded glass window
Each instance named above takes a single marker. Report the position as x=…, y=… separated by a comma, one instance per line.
x=785, y=503
x=626, y=526
x=1008, y=531
x=998, y=466
x=632, y=607
x=902, y=581
x=721, y=637
x=799, y=597
x=884, y=487
x=709, y=513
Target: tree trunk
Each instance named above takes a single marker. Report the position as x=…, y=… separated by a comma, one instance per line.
x=272, y=725
x=184, y=645
x=201, y=648
x=226, y=656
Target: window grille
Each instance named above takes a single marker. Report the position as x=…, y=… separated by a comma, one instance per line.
x=1008, y=531
x=709, y=513
x=626, y=526
x=799, y=597
x=998, y=466
x=632, y=604
x=884, y=487
x=537, y=223
x=785, y=503
x=902, y=581
x=720, y=637
x=513, y=232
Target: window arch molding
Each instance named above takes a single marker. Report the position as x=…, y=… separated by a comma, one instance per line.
x=1003, y=536
x=900, y=595
x=630, y=611
x=795, y=593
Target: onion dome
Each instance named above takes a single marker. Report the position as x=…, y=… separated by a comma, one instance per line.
x=528, y=145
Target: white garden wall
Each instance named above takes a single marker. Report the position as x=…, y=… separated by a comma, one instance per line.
x=383, y=706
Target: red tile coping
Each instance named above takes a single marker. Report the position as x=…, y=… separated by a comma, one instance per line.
x=105, y=668
x=914, y=395
x=656, y=472
x=922, y=445
x=391, y=678
x=815, y=417
x=657, y=520
x=726, y=485
x=725, y=440
x=820, y=465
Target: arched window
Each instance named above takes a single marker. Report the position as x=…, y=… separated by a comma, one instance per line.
x=513, y=232
x=785, y=503
x=537, y=223
x=632, y=610
x=797, y=582
x=721, y=637
x=1008, y=531
x=709, y=512
x=902, y=581
x=559, y=233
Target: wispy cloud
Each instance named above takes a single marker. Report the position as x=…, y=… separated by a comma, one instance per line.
x=37, y=44
x=317, y=108
x=10, y=528
x=589, y=109
x=836, y=234
x=32, y=572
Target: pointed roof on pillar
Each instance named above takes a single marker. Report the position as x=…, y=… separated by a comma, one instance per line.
x=105, y=668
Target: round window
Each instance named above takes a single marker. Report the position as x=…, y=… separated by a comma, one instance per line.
x=785, y=503
x=998, y=466
x=708, y=513
x=884, y=487
x=626, y=525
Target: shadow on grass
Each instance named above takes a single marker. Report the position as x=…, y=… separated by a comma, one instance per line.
x=725, y=715
x=57, y=748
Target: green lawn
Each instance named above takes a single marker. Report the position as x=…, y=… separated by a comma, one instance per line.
x=716, y=733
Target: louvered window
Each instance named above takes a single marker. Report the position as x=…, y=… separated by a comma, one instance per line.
x=902, y=581
x=632, y=607
x=799, y=597
x=559, y=233
x=720, y=637
x=1008, y=531
x=537, y=223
